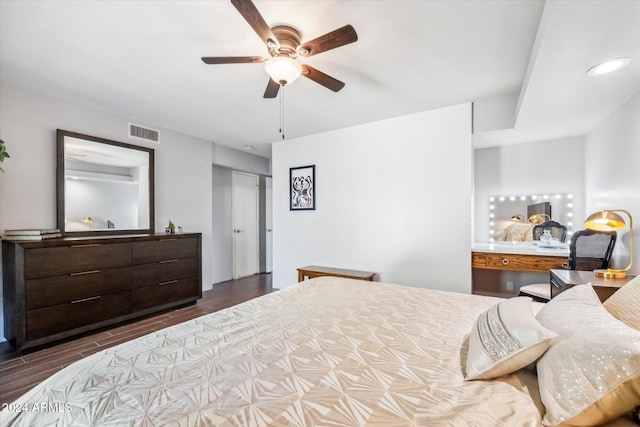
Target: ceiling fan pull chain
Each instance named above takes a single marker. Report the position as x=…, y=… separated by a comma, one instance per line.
x=282, y=111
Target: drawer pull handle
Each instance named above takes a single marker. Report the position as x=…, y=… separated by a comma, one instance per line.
x=82, y=273
x=168, y=261
x=85, y=299
x=167, y=283
x=565, y=265
x=85, y=246
x=166, y=240
x=505, y=261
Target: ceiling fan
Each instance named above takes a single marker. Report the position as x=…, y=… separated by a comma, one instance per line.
x=284, y=44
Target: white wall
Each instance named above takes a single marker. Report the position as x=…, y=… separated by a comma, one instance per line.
x=545, y=167
x=28, y=186
x=392, y=197
x=495, y=113
x=102, y=201
x=613, y=174
x=240, y=160
x=222, y=225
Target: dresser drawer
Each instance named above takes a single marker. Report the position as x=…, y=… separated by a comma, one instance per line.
x=75, y=258
x=162, y=271
x=164, y=293
x=478, y=260
x=163, y=249
x=63, y=317
x=514, y=262
x=55, y=290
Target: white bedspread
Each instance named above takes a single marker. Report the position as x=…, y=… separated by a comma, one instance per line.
x=326, y=352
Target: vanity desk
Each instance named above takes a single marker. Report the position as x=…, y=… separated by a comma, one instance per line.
x=511, y=257
x=58, y=288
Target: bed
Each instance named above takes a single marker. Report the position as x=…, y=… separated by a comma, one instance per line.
x=327, y=351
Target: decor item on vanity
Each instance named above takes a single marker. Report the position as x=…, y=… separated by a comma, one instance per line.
x=3, y=153
x=547, y=239
x=555, y=229
x=302, y=188
x=172, y=229
x=609, y=220
x=32, y=234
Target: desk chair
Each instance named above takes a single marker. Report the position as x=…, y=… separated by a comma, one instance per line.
x=588, y=250
x=558, y=231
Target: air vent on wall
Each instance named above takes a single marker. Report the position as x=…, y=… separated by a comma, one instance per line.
x=137, y=131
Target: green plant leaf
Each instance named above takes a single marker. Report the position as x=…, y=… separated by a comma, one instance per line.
x=3, y=153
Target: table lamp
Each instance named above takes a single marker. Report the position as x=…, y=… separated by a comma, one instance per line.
x=609, y=220
x=539, y=218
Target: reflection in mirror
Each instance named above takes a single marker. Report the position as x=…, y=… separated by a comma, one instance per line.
x=103, y=186
x=511, y=218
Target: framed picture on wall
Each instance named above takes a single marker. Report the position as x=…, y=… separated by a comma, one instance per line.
x=302, y=188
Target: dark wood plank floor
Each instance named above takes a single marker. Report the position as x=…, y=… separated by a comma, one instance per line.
x=20, y=371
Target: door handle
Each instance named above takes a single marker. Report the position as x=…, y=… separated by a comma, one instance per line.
x=238, y=231
x=269, y=230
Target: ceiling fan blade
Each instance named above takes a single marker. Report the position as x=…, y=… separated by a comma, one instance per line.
x=321, y=78
x=332, y=40
x=250, y=13
x=232, y=59
x=272, y=89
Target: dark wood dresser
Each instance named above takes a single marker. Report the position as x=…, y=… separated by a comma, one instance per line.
x=54, y=289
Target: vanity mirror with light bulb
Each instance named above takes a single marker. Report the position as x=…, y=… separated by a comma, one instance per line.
x=512, y=256
x=506, y=212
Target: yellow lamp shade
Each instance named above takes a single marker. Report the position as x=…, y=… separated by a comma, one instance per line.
x=605, y=221
x=611, y=221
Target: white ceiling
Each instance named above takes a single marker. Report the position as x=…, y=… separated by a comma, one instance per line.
x=141, y=59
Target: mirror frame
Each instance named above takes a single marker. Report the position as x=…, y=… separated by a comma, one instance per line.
x=60, y=184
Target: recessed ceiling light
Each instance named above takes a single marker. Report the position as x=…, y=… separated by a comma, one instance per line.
x=249, y=147
x=607, y=67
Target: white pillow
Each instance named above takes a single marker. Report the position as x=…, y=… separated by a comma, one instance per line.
x=591, y=372
x=624, y=304
x=505, y=338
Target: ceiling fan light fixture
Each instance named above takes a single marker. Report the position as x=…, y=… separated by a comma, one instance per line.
x=283, y=69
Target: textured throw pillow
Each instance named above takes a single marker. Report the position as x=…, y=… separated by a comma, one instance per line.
x=591, y=373
x=624, y=304
x=505, y=338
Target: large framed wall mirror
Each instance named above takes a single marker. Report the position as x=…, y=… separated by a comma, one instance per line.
x=512, y=217
x=104, y=186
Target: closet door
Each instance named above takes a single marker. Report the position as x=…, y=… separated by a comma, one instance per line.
x=245, y=225
x=269, y=224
